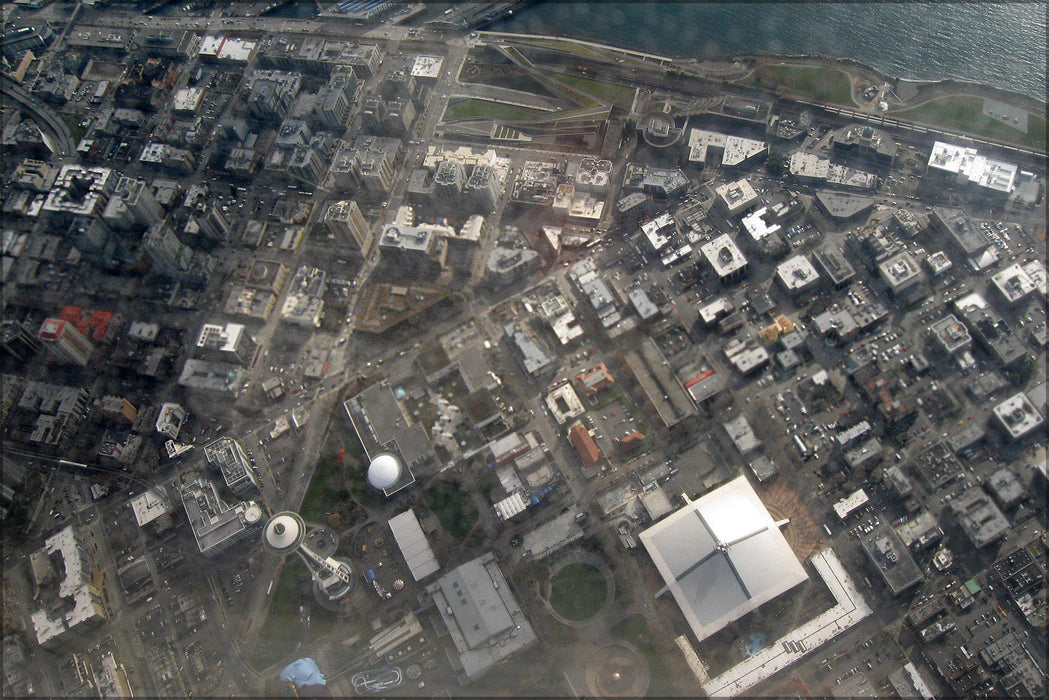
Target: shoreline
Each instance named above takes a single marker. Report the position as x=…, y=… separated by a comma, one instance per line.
x=734, y=71
x=1026, y=101
x=920, y=85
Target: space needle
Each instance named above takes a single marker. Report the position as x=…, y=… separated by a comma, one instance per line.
x=287, y=532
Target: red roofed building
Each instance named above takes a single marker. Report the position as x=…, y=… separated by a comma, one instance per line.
x=584, y=443
x=92, y=323
x=596, y=379
x=631, y=442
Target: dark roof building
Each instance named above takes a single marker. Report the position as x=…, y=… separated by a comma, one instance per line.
x=483, y=619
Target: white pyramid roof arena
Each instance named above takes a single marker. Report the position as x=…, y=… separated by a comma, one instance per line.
x=722, y=556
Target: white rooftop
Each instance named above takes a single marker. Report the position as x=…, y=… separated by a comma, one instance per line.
x=223, y=338
x=1013, y=283
x=756, y=226
x=849, y=609
x=227, y=48
x=797, y=273
x=1018, y=415
x=413, y=544
x=810, y=165
x=170, y=419
x=850, y=503
x=188, y=99
x=564, y=404
x=723, y=255
x=710, y=312
x=510, y=506
x=74, y=588
x=1035, y=269
x=654, y=229
x=722, y=556
x=737, y=195
x=979, y=170
x=735, y=149
x=427, y=66
x=148, y=506
x=899, y=271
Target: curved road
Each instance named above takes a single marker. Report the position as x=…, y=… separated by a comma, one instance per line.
x=55, y=131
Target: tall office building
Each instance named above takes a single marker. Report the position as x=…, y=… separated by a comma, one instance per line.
x=65, y=343
x=448, y=181
x=132, y=204
x=17, y=41
x=227, y=343
x=210, y=224
x=483, y=188
x=17, y=341
x=307, y=164
x=167, y=253
x=373, y=115
x=345, y=221
x=81, y=191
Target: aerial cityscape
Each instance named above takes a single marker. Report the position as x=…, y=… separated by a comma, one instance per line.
x=376, y=348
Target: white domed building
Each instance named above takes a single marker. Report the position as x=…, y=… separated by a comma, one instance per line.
x=387, y=474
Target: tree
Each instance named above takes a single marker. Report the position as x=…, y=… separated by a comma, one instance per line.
x=776, y=165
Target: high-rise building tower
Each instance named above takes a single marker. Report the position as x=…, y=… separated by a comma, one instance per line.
x=287, y=532
x=345, y=221
x=18, y=341
x=226, y=343
x=65, y=343
x=448, y=181
x=483, y=188
x=131, y=205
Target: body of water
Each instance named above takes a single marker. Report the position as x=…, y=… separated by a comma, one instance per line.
x=1002, y=45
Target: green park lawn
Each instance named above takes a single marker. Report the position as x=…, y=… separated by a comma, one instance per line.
x=607, y=93
x=578, y=591
x=812, y=82
x=965, y=113
x=282, y=630
x=468, y=108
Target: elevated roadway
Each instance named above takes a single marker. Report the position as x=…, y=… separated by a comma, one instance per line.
x=55, y=132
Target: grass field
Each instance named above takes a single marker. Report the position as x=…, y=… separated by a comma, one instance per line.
x=607, y=93
x=486, y=109
x=453, y=509
x=578, y=591
x=514, y=81
x=333, y=484
x=571, y=47
x=965, y=113
x=73, y=122
x=324, y=490
x=282, y=630
x=814, y=82
x=635, y=630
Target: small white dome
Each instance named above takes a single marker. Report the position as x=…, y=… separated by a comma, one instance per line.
x=384, y=471
x=282, y=531
x=252, y=514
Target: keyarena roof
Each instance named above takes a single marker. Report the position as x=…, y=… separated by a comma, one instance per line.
x=722, y=556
